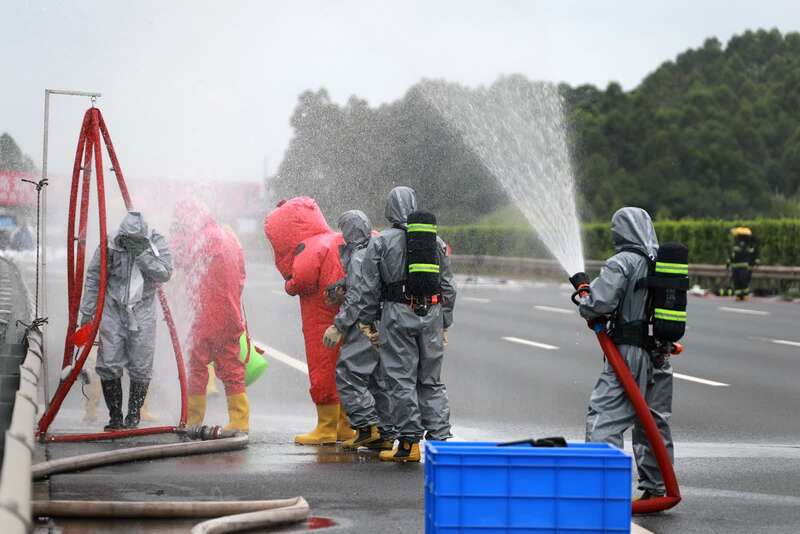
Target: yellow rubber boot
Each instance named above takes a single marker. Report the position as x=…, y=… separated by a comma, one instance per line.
x=406, y=451
x=146, y=414
x=93, y=392
x=238, y=413
x=195, y=410
x=325, y=432
x=363, y=438
x=211, y=387
x=344, y=432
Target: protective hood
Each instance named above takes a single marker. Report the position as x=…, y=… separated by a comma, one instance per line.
x=355, y=226
x=401, y=202
x=133, y=225
x=633, y=228
x=191, y=215
x=291, y=223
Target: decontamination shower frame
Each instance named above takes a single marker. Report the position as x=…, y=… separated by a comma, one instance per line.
x=89, y=148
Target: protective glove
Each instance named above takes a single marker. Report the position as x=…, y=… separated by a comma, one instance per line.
x=444, y=337
x=371, y=332
x=579, y=279
x=332, y=337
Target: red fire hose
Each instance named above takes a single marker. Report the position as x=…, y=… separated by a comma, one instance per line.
x=673, y=496
x=89, y=148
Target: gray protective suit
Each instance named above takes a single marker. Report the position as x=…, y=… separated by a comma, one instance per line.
x=128, y=326
x=610, y=413
x=359, y=377
x=412, y=348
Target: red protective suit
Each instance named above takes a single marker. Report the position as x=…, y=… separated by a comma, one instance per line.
x=307, y=256
x=213, y=260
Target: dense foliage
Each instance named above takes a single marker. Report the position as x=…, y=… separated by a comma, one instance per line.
x=715, y=133
x=11, y=157
x=709, y=241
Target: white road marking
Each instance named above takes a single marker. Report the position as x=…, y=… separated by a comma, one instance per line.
x=476, y=299
x=700, y=380
x=536, y=344
x=554, y=309
x=272, y=352
x=785, y=342
x=744, y=311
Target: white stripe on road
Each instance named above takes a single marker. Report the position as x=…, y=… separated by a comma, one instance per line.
x=743, y=310
x=284, y=358
x=554, y=309
x=700, y=380
x=476, y=299
x=530, y=343
x=785, y=342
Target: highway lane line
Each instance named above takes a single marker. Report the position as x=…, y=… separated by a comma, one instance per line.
x=785, y=342
x=476, y=299
x=536, y=344
x=700, y=380
x=282, y=357
x=555, y=309
x=744, y=311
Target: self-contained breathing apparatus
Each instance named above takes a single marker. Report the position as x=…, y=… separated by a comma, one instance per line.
x=421, y=288
x=664, y=324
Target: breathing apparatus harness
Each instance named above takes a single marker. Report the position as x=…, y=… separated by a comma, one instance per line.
x=664, y=324
x=421, y=288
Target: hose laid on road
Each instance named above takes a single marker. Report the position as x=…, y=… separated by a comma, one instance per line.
x=156, y=509
x=247, y=515
x=133, y=454
x=294, y=513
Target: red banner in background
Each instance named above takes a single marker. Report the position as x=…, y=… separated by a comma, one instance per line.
x=15, y=192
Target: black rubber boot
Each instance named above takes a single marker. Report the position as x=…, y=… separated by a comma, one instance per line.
x=112, y=392
x=136, y=395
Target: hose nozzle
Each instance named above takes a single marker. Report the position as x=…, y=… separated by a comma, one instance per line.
x=581, y=284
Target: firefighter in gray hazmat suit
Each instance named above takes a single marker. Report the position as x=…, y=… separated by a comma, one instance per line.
x=359, y=376
x=411, y=346
x=614, y=295
x=137, y=263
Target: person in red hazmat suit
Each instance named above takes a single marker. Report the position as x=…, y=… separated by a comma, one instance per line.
x=213, y=262
x=307, y=256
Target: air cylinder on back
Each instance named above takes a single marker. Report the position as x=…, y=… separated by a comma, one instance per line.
x=668, y=290
x=422, y=255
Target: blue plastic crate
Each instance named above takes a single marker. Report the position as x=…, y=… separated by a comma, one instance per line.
x=471, y=487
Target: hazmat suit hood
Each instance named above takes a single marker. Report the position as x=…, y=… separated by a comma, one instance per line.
x=400, y=203
x=355, y=226
x=633, y=228
x=289, y=224
x=356, y=229
x=189, y=218
x=133, y=225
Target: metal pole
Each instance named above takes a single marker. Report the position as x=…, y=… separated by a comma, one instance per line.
x=42, y=280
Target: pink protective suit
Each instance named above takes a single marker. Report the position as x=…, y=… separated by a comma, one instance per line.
x=214, y=264
x=307, y=256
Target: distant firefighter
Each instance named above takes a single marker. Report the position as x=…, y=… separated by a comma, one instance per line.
x=213, y=261
x=138, y=262
x=744, y=257
x=307, y=256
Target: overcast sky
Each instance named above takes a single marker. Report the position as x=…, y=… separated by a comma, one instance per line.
x=205, y=89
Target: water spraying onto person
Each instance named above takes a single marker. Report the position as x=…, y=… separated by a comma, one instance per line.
x=517, y=129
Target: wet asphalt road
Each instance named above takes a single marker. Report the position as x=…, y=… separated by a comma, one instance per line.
x=735, y=414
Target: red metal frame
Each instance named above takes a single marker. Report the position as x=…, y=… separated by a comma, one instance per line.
x=673, y=496
x=89, y=148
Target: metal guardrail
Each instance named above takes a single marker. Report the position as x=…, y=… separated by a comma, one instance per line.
x=515, y=266
x=16, y=484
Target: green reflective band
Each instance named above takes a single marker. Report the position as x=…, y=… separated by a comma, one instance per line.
x=670, y=315
x=423, y=268
x=422, y=227
x=741, y=265
x=672, y=268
